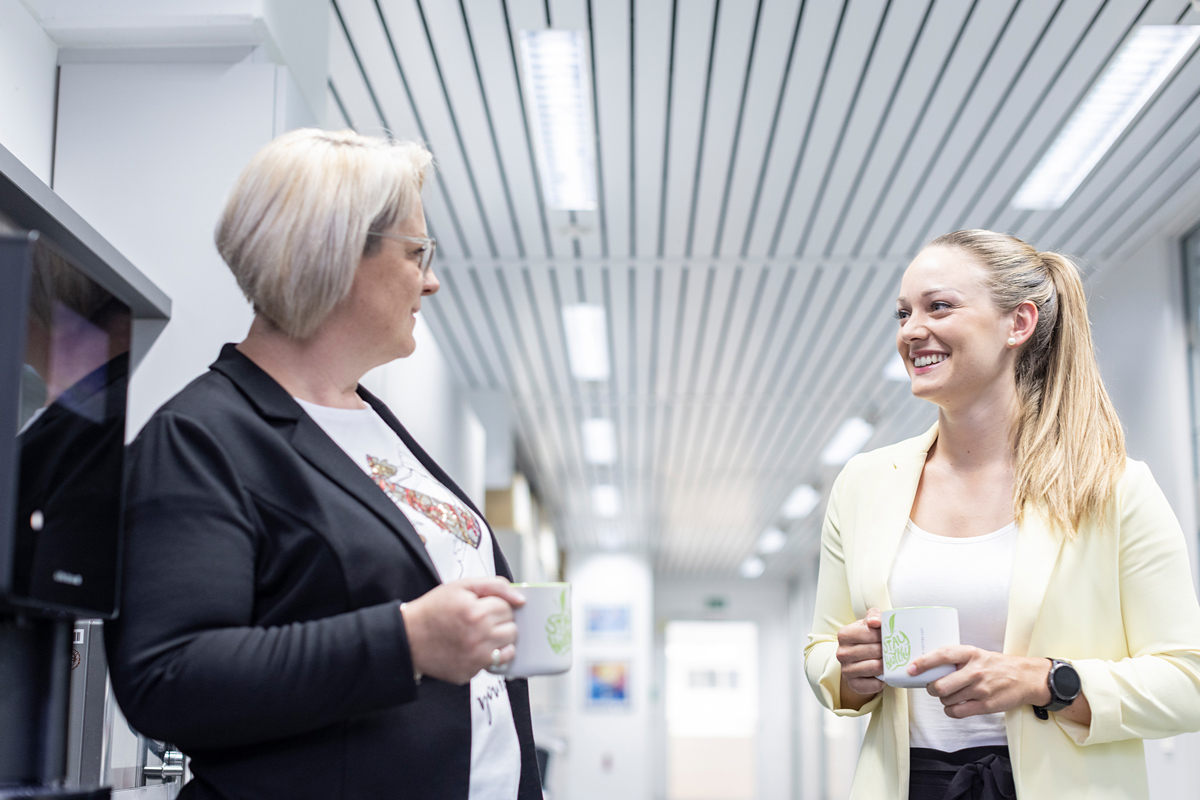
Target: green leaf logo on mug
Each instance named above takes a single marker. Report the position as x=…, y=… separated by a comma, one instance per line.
x=896, y=647
x=558, y=627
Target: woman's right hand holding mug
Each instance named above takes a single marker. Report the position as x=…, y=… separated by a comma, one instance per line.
x=860, y=652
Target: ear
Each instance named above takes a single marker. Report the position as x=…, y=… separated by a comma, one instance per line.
x=1024, y=321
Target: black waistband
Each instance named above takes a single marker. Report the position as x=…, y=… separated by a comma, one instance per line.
x=953, y=759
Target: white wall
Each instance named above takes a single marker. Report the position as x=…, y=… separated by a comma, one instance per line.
x=1138, y=321
x=608, y=751
x=28, y=71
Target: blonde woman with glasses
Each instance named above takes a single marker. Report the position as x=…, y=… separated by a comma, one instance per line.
x=309, y=601
x=1080, y=630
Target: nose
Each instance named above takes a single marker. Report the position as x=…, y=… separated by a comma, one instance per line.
x=432, y=284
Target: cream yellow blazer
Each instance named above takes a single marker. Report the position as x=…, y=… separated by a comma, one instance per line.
x=1117, y=602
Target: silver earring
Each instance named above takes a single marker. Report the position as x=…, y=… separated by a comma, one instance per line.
x=1011, y=341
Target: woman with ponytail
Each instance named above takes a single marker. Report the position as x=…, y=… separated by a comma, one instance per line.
x=1080, y=629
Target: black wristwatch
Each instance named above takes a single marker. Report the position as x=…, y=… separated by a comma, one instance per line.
x=1064, y=685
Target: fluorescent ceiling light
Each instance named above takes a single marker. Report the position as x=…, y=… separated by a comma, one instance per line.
x=895, y=369
x=851, y=437
x=599, y=441
x=772, y=540
x=606, y=501
x=1131, y=78
x=587, y=341
x=801, y=502
x=558, y=99
x=752, y=567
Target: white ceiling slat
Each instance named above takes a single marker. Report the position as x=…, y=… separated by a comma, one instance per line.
x=462, y=94
x=430, y=104
x=348, y=81
x=498, y=71
x=1055, y=80
x=1004, y=66
x=448, y=340
x=863, y=123
x=820, y=24
x=772, y=55
x=694, y=39
x=852, y=58
x=1123, y=229
x=653, y=38
x=928, y=69
x=971, y=54
x=335, y=112
x=737, y=29
x=611, y=53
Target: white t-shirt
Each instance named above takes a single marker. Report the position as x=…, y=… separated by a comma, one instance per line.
x=971, y=574
x=460, y=545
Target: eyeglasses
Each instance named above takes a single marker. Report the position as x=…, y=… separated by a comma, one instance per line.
x=430, y=245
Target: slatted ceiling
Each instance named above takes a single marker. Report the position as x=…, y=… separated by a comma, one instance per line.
x=855, y=59
x=848, y=131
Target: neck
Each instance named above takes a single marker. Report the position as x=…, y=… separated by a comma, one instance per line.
x=320, y=369
x=980, y=434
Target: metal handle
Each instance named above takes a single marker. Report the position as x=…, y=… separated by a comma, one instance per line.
x=170, y=769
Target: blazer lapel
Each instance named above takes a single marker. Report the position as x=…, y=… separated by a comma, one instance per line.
x=886, y=517
x=1038, y=549
x=315, y=446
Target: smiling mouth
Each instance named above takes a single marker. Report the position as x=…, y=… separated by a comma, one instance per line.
x=928, y=361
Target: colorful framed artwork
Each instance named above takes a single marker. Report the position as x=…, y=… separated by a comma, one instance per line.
x=608, y=684
x=608, y=622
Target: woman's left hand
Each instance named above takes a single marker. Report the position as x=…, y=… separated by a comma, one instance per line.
x=985, y=682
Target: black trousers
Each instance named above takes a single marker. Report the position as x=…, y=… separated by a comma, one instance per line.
x=973, y=773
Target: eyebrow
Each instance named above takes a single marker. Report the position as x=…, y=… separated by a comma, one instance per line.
x=928, y=292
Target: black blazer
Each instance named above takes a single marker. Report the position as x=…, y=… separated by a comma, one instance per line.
x=260, y=628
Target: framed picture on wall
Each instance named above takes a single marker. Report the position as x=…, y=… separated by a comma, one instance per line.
x=608, y=623
x=607, y=684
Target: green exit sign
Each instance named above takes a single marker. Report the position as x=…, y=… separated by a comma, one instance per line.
x=715, y=603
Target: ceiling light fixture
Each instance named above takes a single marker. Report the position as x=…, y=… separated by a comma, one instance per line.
x=849, y=439
x=558, y=100
x=752, y=567
x=1139, y=68
x=587, y=341
x=771, y=541
x=606, y=501
x=599, y=441
x=801, y=502
x=895, y=369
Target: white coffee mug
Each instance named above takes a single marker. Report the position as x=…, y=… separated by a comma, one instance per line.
x=908, y=634
x=543, y=631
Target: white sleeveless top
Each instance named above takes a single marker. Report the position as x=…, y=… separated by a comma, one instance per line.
x=972, y=574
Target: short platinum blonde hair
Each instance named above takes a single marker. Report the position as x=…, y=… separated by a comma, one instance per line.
x=295, y=227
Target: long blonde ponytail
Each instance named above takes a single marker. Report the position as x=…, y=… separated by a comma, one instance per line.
x=1070, y=448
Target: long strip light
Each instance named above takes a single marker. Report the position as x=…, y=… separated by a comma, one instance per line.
x=1133, y=76
x=599, y=441
x=849, y=439
x=586, y=329
x=558, y=99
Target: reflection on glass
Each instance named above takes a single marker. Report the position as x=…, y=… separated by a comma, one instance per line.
x=70, y=436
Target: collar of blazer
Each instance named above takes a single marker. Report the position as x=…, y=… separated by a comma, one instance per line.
x=1038, y=547
x=314, y=445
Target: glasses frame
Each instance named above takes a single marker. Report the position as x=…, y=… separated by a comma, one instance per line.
x=426, y=256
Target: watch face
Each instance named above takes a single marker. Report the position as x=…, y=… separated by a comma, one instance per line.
x=1066, y=682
